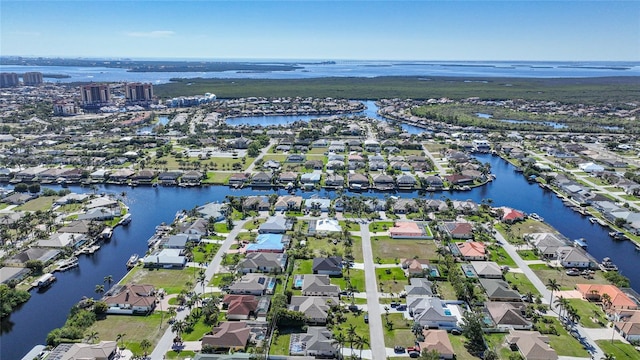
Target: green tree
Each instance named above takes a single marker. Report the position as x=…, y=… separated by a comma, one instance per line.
x=21, y=188
x=34, y=188
x=10, y=299
x=552, y=284
x=430, y=354
x=36, y=266
x=472, y=330
x=145, y=345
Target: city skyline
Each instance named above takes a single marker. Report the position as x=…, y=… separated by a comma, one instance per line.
x=325, y=30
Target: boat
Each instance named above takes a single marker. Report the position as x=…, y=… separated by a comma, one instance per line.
x=106, y=233
x=126, y=219
x=68, y=264
x=44, y=281
x=582, y=242
x=618, y=235
x=593, y=220
x=535, y=216
x=133, y=260
x=637, y=247
x=608, y=265
x=573, y=272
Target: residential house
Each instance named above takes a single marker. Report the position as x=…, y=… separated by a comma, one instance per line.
x=296, y=158
x=465, y=207
x=261, y=179
x=144, y=177
x=510, y=215
x=287, y=177
x=334, y=180
x=404, y=206
x=358, y=181
x=419, y=267
x=372, y=146
x=165, y=258
x=319, y=285
x=627, y=323
x=457, y=229
x=213, y=210
x=618, y=299
x=355, y=161
x=406, y=182
x=40, y=254
x=104, y=350
x=547, y=244
x=459, y=179
x=410, y=230
x=314, y=164
x=506, y=315
x=331, y=266
x=131, y=299
x=168, y=178
x=383, y=182
x=228, y=336
x=324, y=226
x=591, y=167
x=316, y=203
x=256, y=203
x=253, y=284
x=310, y=179
x=239, y=179
x=418, y=287
x=262, y=262
x=61, y=240
x=438, y=341
x=470, y=250
x=499, y=290
x=198, y=227
x=240, y=307
x=315, y=308
x=433, y=182
x=99, y=214
x=432, y=312
x=274, y=243
x=274, y=225
x=288, y=202
x=487, y=269
x=575, y=257
x=318, y=342
x=531, y=345
x=191, y=177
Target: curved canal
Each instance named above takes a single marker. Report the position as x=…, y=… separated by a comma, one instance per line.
x=30, y=324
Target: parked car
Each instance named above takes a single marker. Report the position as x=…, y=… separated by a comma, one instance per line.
x=456, y=331
x=414, y=354
x=353, y=308
x=398, y=350
x=366, y=318
x=401, y=307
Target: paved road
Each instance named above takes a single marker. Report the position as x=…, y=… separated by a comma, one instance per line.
x=166, y=341
x=433, y=159
x=376, y=335
x=546, y=294
x=262, y=153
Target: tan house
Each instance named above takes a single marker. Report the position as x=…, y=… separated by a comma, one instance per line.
x=437, y=340
x=228, y=336
x=531, y=345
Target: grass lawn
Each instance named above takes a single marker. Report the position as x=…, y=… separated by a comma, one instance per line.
x=172, y=281
x=496, y=341
x=527, y=255
x=589, y=311
x=349, y=225
x=398, y=320
x=205, y=252
x=361, y=328
x=379, y=226
x=458, y=347
x=254, y=224
x=68, y=208
x=357, y=249
x=280, y=345
x=303, y=267
x=199, y=329
x=41, y=203
x=389, y=249
x=280, y=158
x=445, y=290
x=520, y=283
x=323, y=246
x=220, y=227
x=136, y=329
x=500, y=256
x=182, y=355
x=221, y=279
x=398, y=337
x=357, y=280
x=567, y=282
x=218, y=178
x=563, y=343
x=619, y=349
x=391, y=282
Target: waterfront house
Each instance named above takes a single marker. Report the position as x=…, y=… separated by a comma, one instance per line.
x=262, y=262
x=34, y=253
x=574, y=257
x=239, y=179
x=627, y=323
x=331, y=266
x=406, y=182
x=104, y=350
x=319, y=285
x=594, y=292
x=131, y=299
x=99, y=214
x=169, y=178
x=458, y=179
x=18, y=198
x=438, y=341
x=61, y=240
x=510, y=215
x=228, y=336
x=383, y=182
x=506, y=315
x=191, y=177
x=531, y=345
x=287, y=177
x=358, y=181
x=261, y=179
x=165, y=258
x=315, y=308
x=213, y=211
x=404, y=206
x=465, y=207
x=144, y=177
x=120, y=176
x=310, y=179
x=198, y=227
x=317, y=342
x=499, y=290
x=547, y=244
x=334, y=180
x=253, y=284
x=433, y=182
x=240, y=307
x=256, y=203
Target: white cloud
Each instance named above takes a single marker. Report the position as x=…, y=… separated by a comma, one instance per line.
x=152, y=34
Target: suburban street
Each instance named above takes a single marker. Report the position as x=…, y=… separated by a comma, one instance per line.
x=165, y=343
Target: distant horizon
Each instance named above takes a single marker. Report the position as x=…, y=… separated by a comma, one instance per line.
x=186, y=59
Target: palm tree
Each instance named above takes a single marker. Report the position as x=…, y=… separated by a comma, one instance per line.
x=145, y=345
x=178, y=327
x=606, y=300
x=91, y=337
x=416, y=329
x=119, y=338
x=340, y=339
x=99, y=289
x=608, y=357
x=108, y=279
x=552, y=285
x=561, y=303
x=351, y=334
x=361, y=342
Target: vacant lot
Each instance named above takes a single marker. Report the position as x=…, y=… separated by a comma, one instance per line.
x=42, y=203
x=619, y=349
x=565, y=281
x=136, y=329
x=389, y=249
x=172, y=281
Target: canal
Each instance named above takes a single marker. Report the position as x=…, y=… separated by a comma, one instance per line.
x=149, y=207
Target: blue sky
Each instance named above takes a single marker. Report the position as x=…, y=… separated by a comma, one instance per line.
x=331, y=30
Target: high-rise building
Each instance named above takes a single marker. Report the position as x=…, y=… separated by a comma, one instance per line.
x=32, y=78
x=64, y=109
x=139, y=94
x=95, y=95
x=9, y=79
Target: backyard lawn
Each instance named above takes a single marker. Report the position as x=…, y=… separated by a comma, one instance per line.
x=356, y=320
x=357, y=280
x=218, y=178
x=619, y=349
x=280, y=345
x=589, y=312
x=458, y=347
